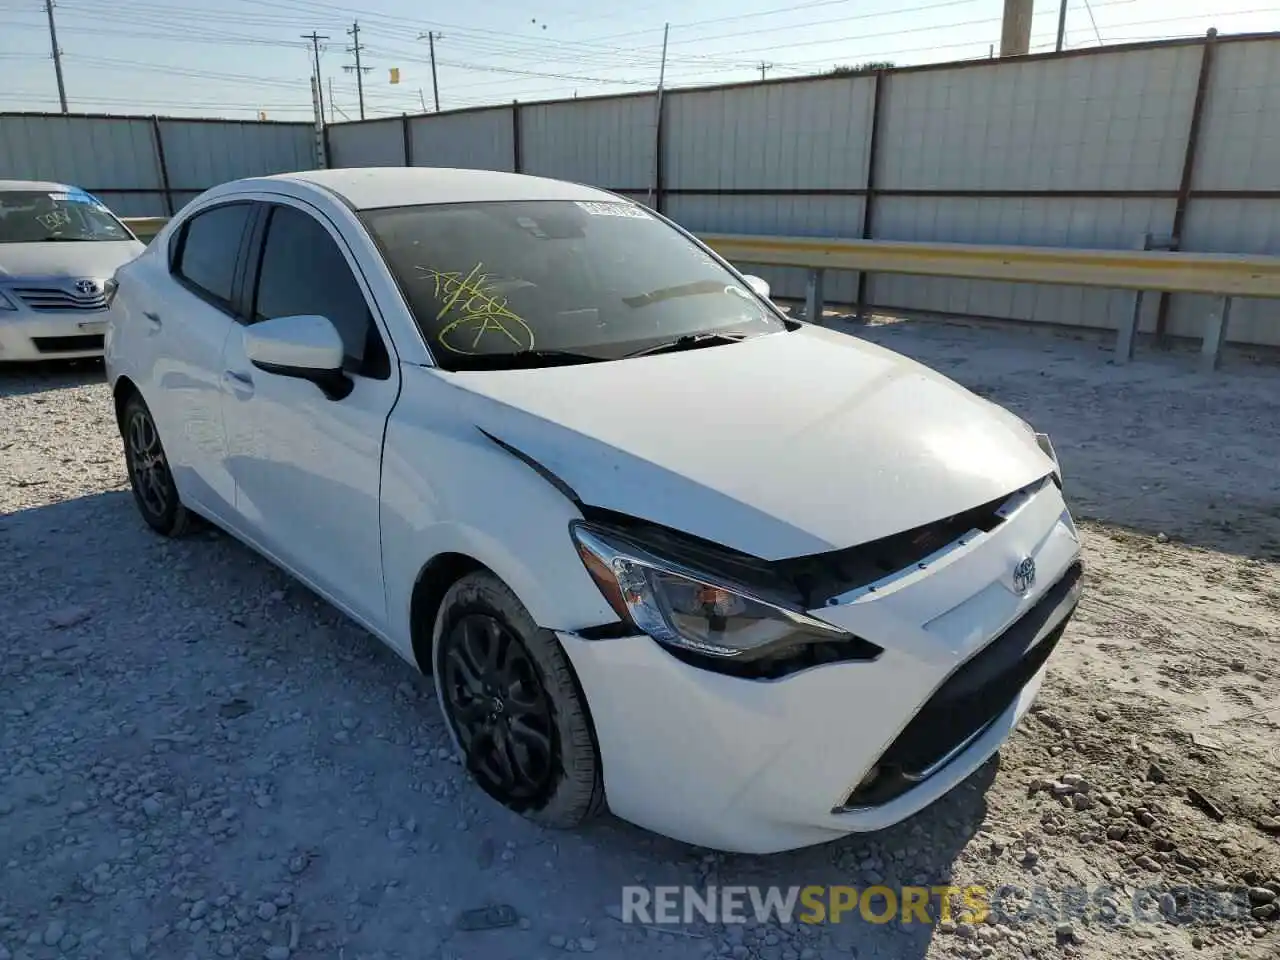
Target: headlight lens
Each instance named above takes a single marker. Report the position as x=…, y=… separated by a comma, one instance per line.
x=6, y=303
x=109, y=288
x=688, y=609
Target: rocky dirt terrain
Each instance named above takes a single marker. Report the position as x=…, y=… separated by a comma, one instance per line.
x=198, y=758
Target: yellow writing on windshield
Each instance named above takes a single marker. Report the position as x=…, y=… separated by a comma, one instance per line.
x=477, y=309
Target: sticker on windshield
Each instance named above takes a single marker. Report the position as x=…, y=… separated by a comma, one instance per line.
x=477, y=311
x=80, y=196
x=599, y=208
x=58, y=197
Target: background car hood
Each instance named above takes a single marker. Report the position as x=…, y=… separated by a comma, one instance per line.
x=92, y=258
x=781, y=446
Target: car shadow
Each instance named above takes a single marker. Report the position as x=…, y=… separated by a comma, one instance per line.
x=21, y=379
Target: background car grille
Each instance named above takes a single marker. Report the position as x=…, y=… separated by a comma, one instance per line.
x=53, y=298
x=68, y=344
x=975, y=695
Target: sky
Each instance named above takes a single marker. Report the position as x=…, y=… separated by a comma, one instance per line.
x=243, y=58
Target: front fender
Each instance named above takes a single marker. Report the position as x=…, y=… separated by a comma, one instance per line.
x=447, y=488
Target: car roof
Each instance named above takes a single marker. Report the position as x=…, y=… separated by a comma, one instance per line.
x=368, y=188
x=46, y=186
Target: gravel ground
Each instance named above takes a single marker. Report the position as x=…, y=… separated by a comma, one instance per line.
x=198, y=758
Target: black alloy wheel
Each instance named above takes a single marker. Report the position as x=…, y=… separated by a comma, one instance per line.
x=513, y=705
x=500, y=711
x=153, y=488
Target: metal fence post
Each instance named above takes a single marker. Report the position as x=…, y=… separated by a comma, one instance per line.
x=162, y=165
x=406, y=136
x=1188, y=167
x=517, y=144
x=1129, y=328
x=1215, y=335
x=868, y=201
x=813, y=296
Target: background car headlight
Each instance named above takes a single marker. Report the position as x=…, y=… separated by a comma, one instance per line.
x=6, y=303
x=689, y=609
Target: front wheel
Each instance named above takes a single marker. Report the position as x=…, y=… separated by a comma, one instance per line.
x=513, y=707
x=153, y=488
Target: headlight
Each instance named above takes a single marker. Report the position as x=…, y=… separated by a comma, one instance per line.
x=6, y=303
x=689, y=609
x=109, y=288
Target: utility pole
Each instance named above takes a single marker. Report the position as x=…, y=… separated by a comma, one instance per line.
x=331, y=104
x=1015, y=29
x=422, y=100
x=1062, y=25
x=657, y=117
x=356, y=47
x=315, y=39
x=764, y=67
x=431, y=38
x=57, y=55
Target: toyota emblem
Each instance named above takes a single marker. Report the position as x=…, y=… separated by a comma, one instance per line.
x=87, y=287
x=1024, y=575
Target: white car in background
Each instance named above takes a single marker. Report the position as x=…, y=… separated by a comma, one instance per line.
x=751, y=583
x=59, y=248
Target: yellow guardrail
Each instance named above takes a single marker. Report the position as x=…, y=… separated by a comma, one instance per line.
x=1176, y=272
x=145, y=227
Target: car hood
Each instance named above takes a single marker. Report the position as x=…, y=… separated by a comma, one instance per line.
x=91, y=258
x=780, y=446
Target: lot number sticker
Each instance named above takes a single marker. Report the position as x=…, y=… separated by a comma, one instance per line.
x=598, y=209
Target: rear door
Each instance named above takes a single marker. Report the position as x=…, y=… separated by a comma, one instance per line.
x=306, y=468
x=187, y=316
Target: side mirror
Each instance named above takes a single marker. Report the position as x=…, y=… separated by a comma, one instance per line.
x=306, y=346
x=758, y=284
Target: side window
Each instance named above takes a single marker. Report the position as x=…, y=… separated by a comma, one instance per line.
x=304, y=272
x=206, y=257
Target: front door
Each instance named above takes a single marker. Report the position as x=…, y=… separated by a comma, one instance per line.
x=306, y=468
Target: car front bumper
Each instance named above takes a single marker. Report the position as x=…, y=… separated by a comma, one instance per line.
x=762, y=766
x=27, y=336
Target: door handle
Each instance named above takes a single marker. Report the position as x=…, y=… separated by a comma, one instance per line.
x=240, y=383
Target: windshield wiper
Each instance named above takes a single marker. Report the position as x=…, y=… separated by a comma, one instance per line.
x=690, y=341
x=62, y=240
x=522, y=359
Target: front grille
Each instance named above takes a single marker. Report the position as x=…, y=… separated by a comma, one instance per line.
x=68, y=344
x=54, y=298
x=975, y=695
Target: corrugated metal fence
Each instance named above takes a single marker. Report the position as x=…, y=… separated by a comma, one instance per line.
x=1095, y=148
x=148, y=166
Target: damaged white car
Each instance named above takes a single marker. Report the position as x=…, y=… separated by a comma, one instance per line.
x=744, y=581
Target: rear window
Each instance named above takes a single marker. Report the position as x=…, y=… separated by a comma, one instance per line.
x=38, y=216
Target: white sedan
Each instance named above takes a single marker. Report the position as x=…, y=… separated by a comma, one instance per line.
x=749, y=583
x=59, y=247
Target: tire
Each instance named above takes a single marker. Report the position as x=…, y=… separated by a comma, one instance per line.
x=154, y=491
x=484, y=637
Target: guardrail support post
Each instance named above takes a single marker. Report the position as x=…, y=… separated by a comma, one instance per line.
x=1129, y=328
x=1215, y=335
x=813, y=296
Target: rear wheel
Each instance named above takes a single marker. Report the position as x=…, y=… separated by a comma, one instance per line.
x=153, y=488
x=512, y=705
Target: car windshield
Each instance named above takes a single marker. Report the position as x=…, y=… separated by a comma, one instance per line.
x=35, y=216
x=521, y=283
